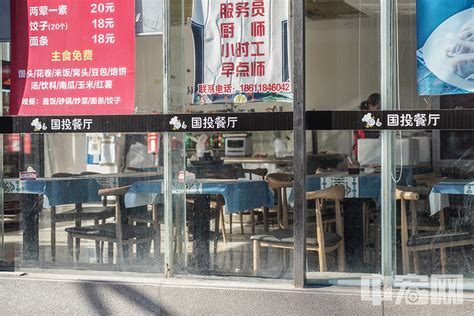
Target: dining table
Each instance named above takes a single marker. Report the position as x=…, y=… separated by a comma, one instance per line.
x=440, y=192
x=39, y=193
x=239, y=195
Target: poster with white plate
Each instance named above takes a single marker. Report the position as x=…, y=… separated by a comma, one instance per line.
x=445, y=55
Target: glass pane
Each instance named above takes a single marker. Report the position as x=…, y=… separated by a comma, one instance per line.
x=71, y=202
x=229, y=202
x=342, y=55
x=347, y=211
x=69, y=216
x=343, y=73
x=434, y=214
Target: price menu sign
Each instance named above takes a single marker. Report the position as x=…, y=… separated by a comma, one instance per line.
x=73, y=57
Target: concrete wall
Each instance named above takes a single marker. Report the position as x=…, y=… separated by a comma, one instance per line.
x=41, y=295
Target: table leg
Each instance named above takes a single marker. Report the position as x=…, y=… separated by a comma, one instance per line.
x=31, y=205
x=143, y=249
x=265, y=219
x=353, y=236
x=365, y=233
x=201, y=217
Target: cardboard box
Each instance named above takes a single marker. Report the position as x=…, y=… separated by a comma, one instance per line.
x=424, y=148
x=369, y=151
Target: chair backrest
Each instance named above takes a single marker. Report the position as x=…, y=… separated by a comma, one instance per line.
x=280, y=182
x=404, y=194
x=428, y=179
x=230, y=173
x=336, y=194
x=261, y=172
x=63, y=175
x=118, y=192
x=89, y=173
x=324, y=170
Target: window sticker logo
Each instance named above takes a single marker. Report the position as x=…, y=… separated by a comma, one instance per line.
x=177, y=124
x=370, y=121
x=38, y=125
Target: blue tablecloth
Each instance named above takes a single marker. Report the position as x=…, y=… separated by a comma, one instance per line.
x=358, y=186
x=439, y=193
x=114, y=180
x=58, y=191
x=78, y=189
x=364, y=185
x=239, y=195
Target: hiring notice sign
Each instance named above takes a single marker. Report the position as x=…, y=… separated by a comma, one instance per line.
x=241, y=51
x=73, y=57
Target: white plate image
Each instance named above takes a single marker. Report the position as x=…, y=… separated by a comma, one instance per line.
x=434, y=50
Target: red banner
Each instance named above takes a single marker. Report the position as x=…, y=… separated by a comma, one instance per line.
x=73, y=57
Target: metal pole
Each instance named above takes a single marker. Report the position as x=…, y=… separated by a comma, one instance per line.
x=167, y=155
x=389, y=95
x=299, y=130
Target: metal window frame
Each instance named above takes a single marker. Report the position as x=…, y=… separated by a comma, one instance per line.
x=389, y=96
x=299, y=134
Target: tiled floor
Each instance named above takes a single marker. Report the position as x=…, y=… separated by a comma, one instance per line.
x=232, y=258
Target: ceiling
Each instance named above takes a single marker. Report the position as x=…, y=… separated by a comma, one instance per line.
x=340, y=9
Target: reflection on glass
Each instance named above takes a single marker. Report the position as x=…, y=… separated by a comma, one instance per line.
x=434, y=213
x=67, y=205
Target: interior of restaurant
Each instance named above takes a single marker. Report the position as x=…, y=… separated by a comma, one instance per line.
x=433, y=229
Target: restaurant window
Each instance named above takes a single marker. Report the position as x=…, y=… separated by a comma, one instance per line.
x=425, y=224
x=232, y=201
x=190, y=202
x=67, y=198
x=342, y=73
x=424, y=227
x=434, y=228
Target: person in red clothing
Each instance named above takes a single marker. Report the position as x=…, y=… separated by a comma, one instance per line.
x=364, y=106
x=372, y=104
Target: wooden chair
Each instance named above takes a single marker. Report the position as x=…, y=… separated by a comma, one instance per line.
x=279, y=182
x=120, y=233
x=146, y=217
x=416, y=242
x=427, y=179
x=261, y=172
x=78, y=214
x=322, y=243
x=424, y=184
